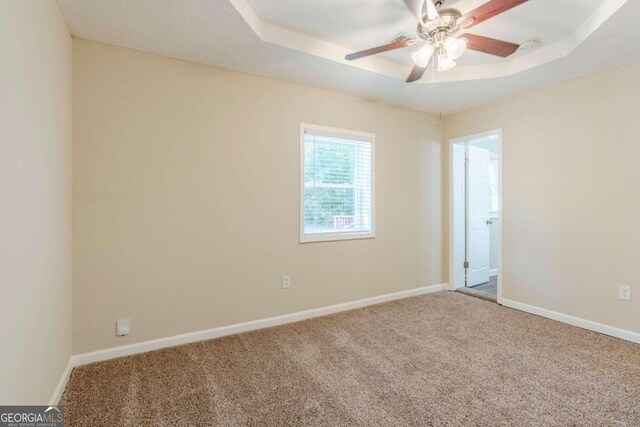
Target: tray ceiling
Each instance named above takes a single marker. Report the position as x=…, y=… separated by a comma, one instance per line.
x=304, y=41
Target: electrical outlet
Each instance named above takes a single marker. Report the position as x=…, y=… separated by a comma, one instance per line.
x=624, y=293
x=122, y=327
x=286, y=282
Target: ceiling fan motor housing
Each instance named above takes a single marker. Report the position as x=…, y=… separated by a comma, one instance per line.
x=437, y=30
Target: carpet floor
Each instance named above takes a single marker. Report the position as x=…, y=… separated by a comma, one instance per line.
x=439, y=359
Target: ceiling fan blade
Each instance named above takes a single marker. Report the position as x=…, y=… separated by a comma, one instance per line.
x=487, y=11
x=379, y=49
x=418, y=72
x=489, y=45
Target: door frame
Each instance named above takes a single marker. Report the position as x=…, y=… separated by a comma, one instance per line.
x=457, y=209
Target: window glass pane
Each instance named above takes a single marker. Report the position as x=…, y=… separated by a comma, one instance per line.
x=323, y=205
x=329, y=163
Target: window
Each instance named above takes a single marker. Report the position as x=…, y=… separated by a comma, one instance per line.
x=337, y=184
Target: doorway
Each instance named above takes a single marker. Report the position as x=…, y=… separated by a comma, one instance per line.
x=476, y=214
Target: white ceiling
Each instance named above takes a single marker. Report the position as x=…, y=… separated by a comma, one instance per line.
x=304, y=41
x=359, y=25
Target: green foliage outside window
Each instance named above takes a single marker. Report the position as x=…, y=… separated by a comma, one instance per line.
x=329, y=178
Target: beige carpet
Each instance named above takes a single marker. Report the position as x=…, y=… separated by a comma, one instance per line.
x=441, y=359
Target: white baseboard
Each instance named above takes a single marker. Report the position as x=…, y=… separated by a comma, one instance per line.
x=447, y=287
x=62, y=383
x=571, y=320
x=493, y=272
x=142, y=347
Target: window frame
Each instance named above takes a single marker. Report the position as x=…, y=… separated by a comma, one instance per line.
x=336, y=236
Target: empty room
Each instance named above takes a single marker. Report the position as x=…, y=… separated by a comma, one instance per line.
x=319, y=212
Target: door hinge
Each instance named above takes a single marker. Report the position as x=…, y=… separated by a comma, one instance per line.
x=466, y=264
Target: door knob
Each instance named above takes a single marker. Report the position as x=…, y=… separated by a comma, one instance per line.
x=489, y=222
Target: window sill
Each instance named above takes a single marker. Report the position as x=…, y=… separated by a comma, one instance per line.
x=328, y=237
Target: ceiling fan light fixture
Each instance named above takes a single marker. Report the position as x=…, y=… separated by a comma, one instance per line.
x=422, y=56
x=445, y=63
x=455, y=47
x=436, y=29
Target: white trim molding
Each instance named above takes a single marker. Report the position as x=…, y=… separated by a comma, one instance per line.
x=572, y=320
x=62, y=383
x=208, y=334
x=448, y=287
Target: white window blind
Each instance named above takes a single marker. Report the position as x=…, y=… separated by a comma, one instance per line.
x=337, y=187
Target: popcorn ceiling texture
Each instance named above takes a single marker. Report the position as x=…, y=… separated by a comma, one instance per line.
x=440, y=359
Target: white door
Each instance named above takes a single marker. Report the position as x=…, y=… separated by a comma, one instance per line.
x=478, y=243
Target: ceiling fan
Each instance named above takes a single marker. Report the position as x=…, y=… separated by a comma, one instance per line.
x=436, y=30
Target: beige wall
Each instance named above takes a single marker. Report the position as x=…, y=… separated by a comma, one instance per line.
x=186, y=198
x=570, y=201
x=35, y=213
